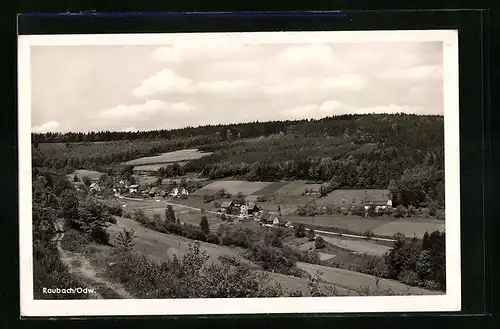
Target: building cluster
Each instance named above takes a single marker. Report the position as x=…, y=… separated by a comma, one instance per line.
x=250, y=210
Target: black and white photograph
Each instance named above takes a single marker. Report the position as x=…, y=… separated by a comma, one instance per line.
x=239, y=173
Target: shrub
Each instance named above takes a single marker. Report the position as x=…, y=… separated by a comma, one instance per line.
x=320, y=243
x=358, y=211
x=213, y=238
x=310, y=235
x=369, y=234
x=300, y=230
x=86, y=180
x=140, y=216
x=194, y=234
x=174, y=228
x=125, y=240
x=115, y=209
x=400, y=211
x=262, y=198
x=307, y=210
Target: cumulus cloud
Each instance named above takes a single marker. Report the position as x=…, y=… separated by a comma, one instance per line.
x=416, y=73
x=50, y=126
x=144, y=110
x=163, y=81
x=203, y=48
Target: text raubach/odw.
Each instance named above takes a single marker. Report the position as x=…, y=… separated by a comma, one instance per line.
x=78, y=290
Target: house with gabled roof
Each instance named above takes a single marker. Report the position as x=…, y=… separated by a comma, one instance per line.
x=133, y=188
x=227, y=207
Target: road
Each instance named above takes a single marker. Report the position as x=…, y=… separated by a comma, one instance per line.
x=79, y=266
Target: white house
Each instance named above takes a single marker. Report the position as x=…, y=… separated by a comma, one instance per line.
x=95, y=187
x=184, y=191
x=133, y=188
x=244, y=210
x=175, y=192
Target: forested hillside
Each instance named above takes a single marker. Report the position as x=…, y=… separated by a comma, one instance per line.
x=404, y=153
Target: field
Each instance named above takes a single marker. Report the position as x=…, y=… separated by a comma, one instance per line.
x=146, y=163
x=350, y=223
x=150, y=207
x=359, y=246
x=233, y=187
x=350, y=197
x=159, y=246
x=384, y=226
x=354, y=279
x=93, y=175
x=156, y=166
x=410, y=228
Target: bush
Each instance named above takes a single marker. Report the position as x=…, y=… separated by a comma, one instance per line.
x=115, y=209
x=310, y=235
x=262, y=198
x=213, y=238
x=86, y=180
x=320, y=243
x=369, y=234
x=307, y=210
x=140, y=216
x=300, y=230
x=174, y=228
x=400, y=211
x=125, y=240
x=358, y=211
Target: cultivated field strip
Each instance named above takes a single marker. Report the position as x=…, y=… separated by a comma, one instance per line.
x=357, y=281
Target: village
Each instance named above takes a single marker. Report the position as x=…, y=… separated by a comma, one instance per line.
x=240, y=207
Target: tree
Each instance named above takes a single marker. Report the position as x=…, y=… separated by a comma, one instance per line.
x=125, y=240
x=86, y=180
x=300, y=230
x=320, y=243
x=69, y=205
x=75, y=179
x=204, y=226
x=310, y=235
x=170, y=215
x=92, y=218
x=61, y=185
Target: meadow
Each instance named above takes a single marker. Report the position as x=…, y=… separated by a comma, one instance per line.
x=153, y=163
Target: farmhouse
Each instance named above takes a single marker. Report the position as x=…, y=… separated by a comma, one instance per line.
x=271, y=219
x=244, y=210
x=163, y=193
x=227, y=207
x=153, y=191
x=133, y=188
x=252, y=208
x=94, y=187
x=174, y=192
x=184, y=191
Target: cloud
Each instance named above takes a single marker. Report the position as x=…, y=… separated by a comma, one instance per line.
x=144, y=110
x=317, y=54
x=415, y=73
x=50, y=126
x=206, y=49
x=163, y=81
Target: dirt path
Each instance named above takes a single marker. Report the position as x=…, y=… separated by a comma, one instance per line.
x=80, y=266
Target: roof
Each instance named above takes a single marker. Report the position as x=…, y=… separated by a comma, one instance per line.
x=153, y=189
x=226, y=204
x=94, y=185
x=252, y=205
x=134, y=186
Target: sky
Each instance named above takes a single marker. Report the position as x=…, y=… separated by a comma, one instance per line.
x=128, y=88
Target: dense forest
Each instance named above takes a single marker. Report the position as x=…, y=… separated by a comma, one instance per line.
x=404, y=153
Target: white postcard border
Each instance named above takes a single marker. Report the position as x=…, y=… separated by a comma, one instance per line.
x=449, y=302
